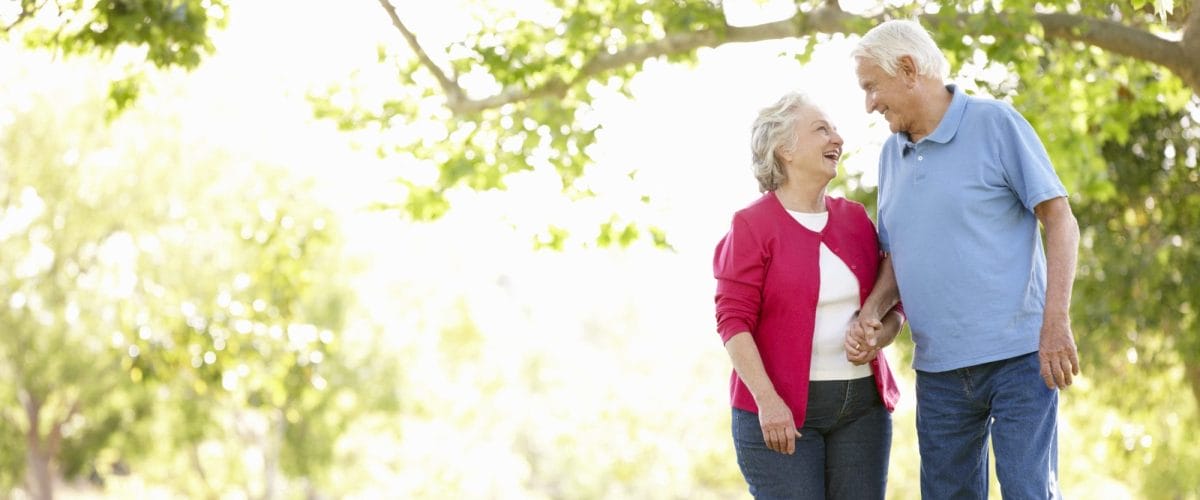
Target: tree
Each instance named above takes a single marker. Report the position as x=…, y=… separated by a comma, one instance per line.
x=152, y=282
x=541, y=75
x=1090, y=70
x=67, y=249
x=1112, y=87
x=170, y=33
x=1137, y=274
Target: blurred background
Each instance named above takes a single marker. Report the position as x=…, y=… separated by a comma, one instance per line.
x=461, y=249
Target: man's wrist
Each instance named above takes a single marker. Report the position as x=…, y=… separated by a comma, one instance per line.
x=869, y=310
x=1052, y=316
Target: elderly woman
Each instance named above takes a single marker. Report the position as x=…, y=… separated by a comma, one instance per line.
x=811, y=404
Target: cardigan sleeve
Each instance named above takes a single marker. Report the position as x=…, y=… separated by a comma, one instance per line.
x=739, y=265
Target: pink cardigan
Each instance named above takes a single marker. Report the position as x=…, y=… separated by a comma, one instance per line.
x=768, y=278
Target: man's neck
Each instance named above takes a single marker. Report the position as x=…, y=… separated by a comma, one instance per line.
x=934, y=99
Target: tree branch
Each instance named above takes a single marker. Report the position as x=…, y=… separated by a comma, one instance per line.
x=830, y=18
x=28, y=7
x=449, y=86
x=1191, y=43
x=1120, y=39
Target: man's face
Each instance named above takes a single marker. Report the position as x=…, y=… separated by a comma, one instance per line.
x=886, y=94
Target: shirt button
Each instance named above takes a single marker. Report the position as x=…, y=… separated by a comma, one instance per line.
x=854, y=268
x=919, y=158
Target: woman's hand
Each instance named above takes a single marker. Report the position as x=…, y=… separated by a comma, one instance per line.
x=862, y=344
x=778, y=426
x=865, y=336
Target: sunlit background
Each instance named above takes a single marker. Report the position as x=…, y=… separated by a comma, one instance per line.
x=449, y=359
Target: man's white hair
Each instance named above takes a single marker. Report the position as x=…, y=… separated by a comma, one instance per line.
x=885, y=44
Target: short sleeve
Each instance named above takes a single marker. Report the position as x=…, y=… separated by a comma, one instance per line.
x=880, y=226
x=1026, y=164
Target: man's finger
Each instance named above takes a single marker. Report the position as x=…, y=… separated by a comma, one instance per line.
x=1066, y=366
x=790, y=434
x=1056, y=371
x=873, y=336
x=1047, y=377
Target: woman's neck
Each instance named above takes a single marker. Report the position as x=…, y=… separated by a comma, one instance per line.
x=801, y=198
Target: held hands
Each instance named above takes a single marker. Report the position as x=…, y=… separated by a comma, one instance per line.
x=778, y=426
x=1057, y=354
x=864, y=339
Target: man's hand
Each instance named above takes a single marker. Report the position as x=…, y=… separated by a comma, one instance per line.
x=862, y=339
x=1057, y=353
x=778, y=426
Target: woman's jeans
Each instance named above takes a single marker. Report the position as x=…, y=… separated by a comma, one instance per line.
x=842, y=451
x=958, y=409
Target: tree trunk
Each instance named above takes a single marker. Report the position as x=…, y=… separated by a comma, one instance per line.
x=1191, y=367
x=38, y=477
x=273, y=441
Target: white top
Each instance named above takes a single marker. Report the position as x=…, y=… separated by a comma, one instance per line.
x=837, y=301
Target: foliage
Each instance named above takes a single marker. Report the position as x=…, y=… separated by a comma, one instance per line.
x=174, y=322
x=516, y=92
x=165, y=33
x=1137, y=277
x=152, y=283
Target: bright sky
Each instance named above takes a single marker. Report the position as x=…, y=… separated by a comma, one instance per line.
x=686, y=133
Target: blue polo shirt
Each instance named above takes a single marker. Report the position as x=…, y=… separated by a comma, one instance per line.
x=956, y=213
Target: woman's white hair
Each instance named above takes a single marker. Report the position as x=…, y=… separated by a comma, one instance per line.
x=887, y=43
x=773, y=129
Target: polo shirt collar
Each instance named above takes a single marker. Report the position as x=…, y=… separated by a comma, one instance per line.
x=949, y=124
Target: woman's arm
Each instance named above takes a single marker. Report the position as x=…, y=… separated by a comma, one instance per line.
x=774, y=416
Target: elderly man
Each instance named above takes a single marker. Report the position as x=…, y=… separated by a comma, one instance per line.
x=963, y=183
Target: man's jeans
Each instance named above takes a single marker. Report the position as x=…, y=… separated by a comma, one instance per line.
x=958, y=409
x=842, y=451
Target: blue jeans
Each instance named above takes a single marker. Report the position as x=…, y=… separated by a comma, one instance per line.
x=958, y=409
x=842, y=451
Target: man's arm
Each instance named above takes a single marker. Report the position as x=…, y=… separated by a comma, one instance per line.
x=884, y=296
x=1057, y=350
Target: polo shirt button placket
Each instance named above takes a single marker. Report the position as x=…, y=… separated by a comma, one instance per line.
x=920, y=160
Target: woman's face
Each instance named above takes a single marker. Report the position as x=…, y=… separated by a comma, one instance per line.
x=817, y=147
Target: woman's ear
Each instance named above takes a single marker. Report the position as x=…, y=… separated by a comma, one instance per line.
x=783, y=155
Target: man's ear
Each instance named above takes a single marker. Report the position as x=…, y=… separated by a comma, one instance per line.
x=907, y=69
